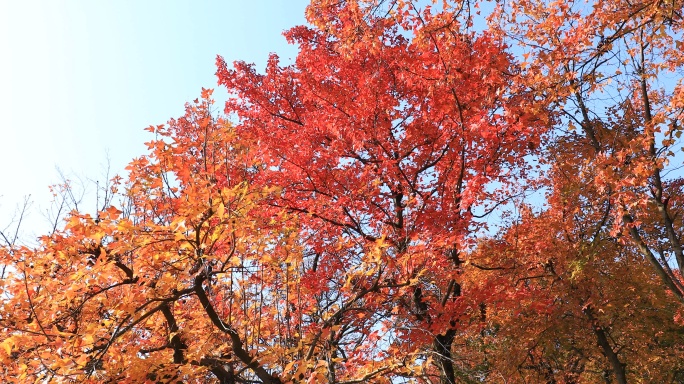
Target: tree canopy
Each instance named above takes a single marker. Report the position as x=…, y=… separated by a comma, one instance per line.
x=430, y=193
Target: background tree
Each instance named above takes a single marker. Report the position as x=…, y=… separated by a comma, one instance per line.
x=614, y=72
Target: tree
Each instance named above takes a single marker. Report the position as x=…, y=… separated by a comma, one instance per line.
x=384, y=140
x=170, y=286
x=568, y=303
x=614, y=73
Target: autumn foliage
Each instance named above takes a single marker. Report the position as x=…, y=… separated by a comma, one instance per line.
x=430, y=193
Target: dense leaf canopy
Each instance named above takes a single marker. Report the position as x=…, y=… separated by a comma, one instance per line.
x=429, y=193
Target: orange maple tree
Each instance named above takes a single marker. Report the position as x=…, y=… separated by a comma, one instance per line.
x=612, y=71
x=124, y=295
x=332, y=224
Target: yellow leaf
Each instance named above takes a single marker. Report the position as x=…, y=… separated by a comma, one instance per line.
x=88, y=339
x=221, y=210
x=82, y=360
x=178, y=236
x=7, y=345
x=289, y=366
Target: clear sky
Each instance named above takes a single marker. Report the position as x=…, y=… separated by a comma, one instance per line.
x=80, y=80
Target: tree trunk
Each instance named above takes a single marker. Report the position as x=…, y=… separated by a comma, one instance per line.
x=602, y=339
x=444, y=359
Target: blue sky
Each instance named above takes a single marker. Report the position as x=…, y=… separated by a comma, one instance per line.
x=80, y=80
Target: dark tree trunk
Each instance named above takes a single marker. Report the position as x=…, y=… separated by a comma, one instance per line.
x=444, y=358
x=602, y=339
